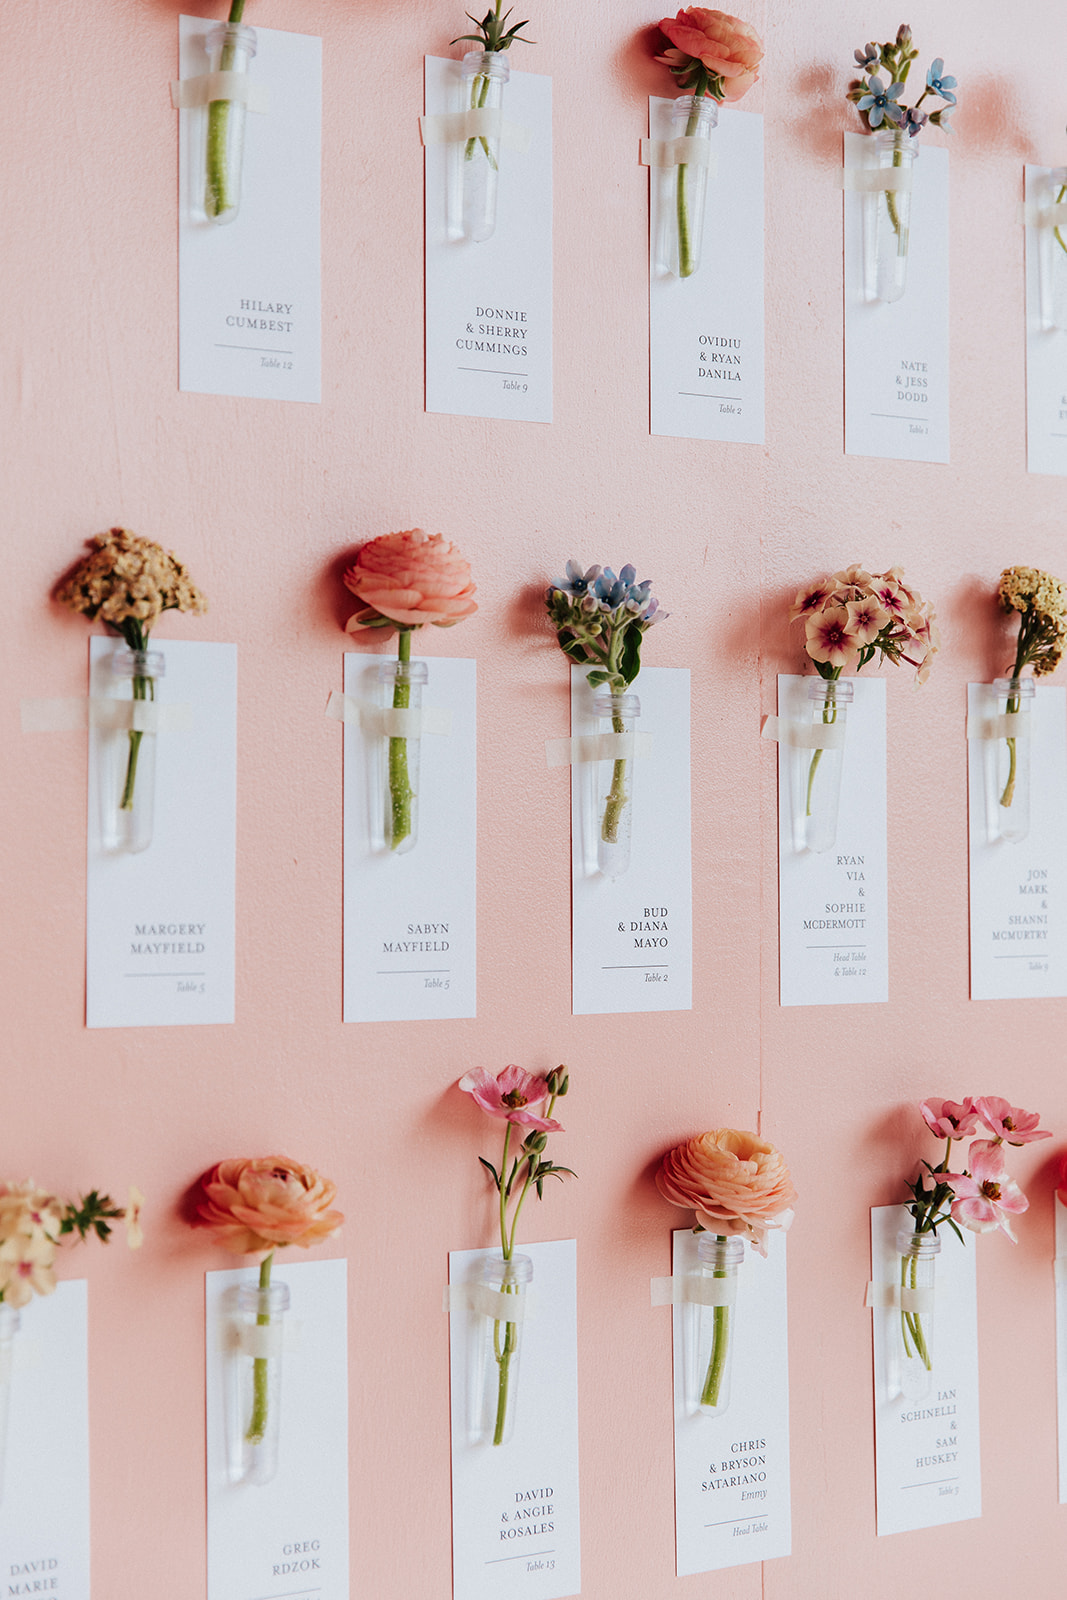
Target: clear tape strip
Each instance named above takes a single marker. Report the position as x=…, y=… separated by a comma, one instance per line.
x=892, y=1296
x=597, y=747
x=262, y=1343
x=80, y=711
x=804, y=735
x=1009, y=725
x=1032, y=214
x=685, y=151
x=389, y=722
x=479, y=122
x=871, y=180
x=486, y=1302
x=238, y=87
x=693, y=1289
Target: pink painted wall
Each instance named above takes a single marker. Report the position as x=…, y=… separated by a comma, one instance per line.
x=260, y=499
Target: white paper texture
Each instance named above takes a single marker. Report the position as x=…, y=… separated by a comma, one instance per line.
x=896, y=356
x=489, y=303
x=833, y=906
x=44, y=1517
x=410, y=949
x=288, y=1537
x=1046, y=346
x=1061, y=1343
x=249, y=295
x=731, y=1472
x=706, y=331
x=632, y=936
x=1018, y=929
x=160, y=924
x=515, y=1528
x=927, y=1456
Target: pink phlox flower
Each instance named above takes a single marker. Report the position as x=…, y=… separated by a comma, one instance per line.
x=811, y=599
x=949, y=1120
x=1008, y=1122
x=510, y=1095
x=984, y=1198
x=828, y=637
x=868, y=618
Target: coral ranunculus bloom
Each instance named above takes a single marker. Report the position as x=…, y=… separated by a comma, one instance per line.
x=411, y=578
x=726, y=46
x=253, y=1204
x=734, y=1181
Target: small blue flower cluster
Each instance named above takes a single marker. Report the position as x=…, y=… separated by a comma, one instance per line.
x=599, y=617
x=879, y=103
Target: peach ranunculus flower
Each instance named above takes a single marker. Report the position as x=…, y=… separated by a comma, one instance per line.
x=735, y=1182
x=410, y=579
x=258, y=1203
x=712, y=52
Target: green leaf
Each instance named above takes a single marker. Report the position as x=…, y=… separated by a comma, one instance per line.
x=631, y=655
x=491, y=1170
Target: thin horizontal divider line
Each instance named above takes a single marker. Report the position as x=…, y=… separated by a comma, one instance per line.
x=412, y=972
x=707, y=394
x=842, y=944
x=729, y=1523
x=518, y=1556
x=164, y=974
x=931, y=1483
x=1020, y=955
x=638, y=966
x=900, y=416
x=494, y=372
x=289, y=1594
x=259, y=350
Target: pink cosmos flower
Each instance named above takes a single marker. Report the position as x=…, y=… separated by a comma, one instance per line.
x=949, y=1120
x=828, y=637
x=1009, y=1123
x=985, y=1197
x=510, y=1095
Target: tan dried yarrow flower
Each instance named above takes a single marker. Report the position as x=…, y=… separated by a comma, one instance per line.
x=1041, y=601
x=128, y=582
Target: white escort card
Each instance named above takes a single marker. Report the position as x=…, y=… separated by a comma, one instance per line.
x=287, y=1536
x=706, y=330
x=632, y=934
x=1060, y=1276
x=44, y=1514
x=833, y=902
x=731, y=1470
x=1045, y=214
x=410, y=948
x=515, y=1527
x=896, y=353
x=160, y=922
x=1018, y=926
x=927, y=1457
x=249, y=292
x=489, y=301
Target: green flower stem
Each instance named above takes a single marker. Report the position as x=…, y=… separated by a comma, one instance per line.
x=617, y=796
x=911, y=1321
x=1021, y=655
x=257, y=1426
x=1056, y=232
x=143, y=689
x=478, y=99
x=217, y=197
x=891, y=206
x=829, y=716
x=686, y=265
x=720, y=1346
x=401, y=793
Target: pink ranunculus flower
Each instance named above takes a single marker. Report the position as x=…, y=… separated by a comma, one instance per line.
x=1008, y=1122
x=254, y=1204
x=828, y=636
x=949, y=1119
x=726, y=46
x=734, y=1181
x=510, y=1095
x=986, y=1197
x=411, y=578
